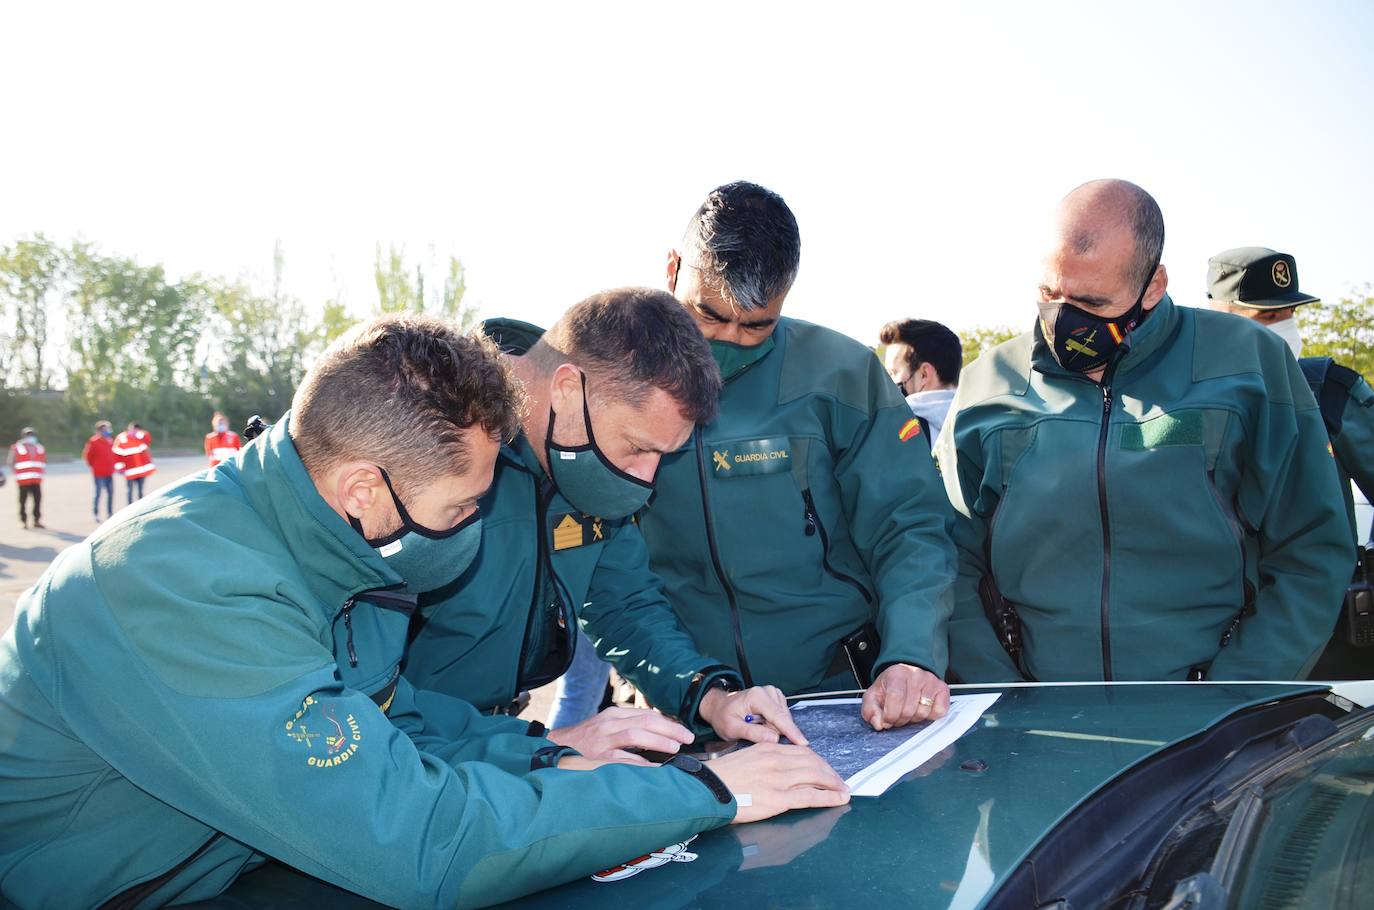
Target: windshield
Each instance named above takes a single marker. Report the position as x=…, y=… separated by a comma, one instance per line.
x=1297, y=835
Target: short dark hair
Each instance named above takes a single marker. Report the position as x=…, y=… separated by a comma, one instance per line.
x=630, y=341
x=929, y=342
x=745, y=240
x=1147, y=224
x=398, y=391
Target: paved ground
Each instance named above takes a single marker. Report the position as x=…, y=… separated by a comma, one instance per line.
x=67, y=490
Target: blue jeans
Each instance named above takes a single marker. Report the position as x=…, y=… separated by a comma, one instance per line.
x=579, y=691
x=106, y=484
x=135, y=482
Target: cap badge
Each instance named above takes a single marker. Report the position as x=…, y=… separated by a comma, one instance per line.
x=1282, y=276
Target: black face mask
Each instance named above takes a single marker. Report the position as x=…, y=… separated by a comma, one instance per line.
x=1082, y=341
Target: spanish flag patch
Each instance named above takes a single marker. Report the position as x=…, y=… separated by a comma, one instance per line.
x=909, y=429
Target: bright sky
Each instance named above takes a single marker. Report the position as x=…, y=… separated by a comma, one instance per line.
x=560, y=148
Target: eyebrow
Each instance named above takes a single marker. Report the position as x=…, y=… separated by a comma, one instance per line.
x=711, y=314
x=1075, y=298
x=473, y=499
x=644, y=446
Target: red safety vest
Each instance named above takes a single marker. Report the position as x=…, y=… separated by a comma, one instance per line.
x=221, y=446
x=136, y=457
x=30, y=461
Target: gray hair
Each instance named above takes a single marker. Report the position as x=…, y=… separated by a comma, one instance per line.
x=745, y=241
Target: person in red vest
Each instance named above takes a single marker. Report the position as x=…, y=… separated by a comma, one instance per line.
x=99, y=454
x=133, y=448
x=221, y=444
x=28, y=460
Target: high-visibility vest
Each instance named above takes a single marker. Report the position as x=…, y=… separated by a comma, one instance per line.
x=134, y=453
x=221, y=446
x=30, y=461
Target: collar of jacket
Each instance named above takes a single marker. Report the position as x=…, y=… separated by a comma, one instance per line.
x=520, y=454
x=1158, y=329
x=334, y=559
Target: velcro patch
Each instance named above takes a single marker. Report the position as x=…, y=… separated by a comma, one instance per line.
x=1182, y=428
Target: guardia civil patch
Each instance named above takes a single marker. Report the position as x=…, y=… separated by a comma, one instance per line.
x=327, y=739
x=752, y=457
x=675, y=853
x=910, y=430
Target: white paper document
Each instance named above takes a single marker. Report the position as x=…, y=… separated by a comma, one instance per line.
x=870, y=761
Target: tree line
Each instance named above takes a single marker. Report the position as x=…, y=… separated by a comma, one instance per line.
x=134, y=345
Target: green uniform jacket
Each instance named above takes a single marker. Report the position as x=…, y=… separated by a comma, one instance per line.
x=1186, y=517
x=507, y=624
x=799, y=514
x=1350, y=428
x=212, y=679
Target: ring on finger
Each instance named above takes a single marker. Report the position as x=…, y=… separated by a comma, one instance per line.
x=926, y=701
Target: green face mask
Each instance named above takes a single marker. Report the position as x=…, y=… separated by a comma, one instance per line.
x=734, y=359
x=588, y=479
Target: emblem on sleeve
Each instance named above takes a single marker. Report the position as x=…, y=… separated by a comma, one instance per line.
x=328, y=740
x=676, y=853
x=909, y=429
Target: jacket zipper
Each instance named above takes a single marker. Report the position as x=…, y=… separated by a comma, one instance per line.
x=716, y=565
x=348, y=628
x=544, y=565
x=1106, y=527
x=813, y=526
x=1246, y=589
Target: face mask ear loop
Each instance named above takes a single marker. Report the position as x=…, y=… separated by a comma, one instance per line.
x=411, y=524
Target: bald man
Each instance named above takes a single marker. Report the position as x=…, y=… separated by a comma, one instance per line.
x=1144, y=492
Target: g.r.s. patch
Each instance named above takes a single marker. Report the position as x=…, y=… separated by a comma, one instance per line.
x=328, y=740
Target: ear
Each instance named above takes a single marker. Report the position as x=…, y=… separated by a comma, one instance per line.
x=674, y=266
x=358, y=488
x=929, y=377
x=1158, y=285
x=565, y=389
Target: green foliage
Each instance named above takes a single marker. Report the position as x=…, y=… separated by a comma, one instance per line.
x=31, y=273
x=1343, y=331
x=399, y=292
x=984, y=338
x=168, y=353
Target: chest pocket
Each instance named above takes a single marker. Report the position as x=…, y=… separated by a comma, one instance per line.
x=369, y=642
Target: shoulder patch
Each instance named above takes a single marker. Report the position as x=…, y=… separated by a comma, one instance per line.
x=328, y=740
x=910, y=430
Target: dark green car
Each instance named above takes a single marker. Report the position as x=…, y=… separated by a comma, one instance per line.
x=1082, y=795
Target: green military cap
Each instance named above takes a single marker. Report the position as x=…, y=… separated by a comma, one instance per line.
x=1255, y=277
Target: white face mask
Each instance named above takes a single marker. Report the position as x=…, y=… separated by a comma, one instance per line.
x=1288, y=331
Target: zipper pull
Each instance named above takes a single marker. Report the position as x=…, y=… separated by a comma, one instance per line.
x=810, y=514
x=1231, y=630
x=348, y=627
